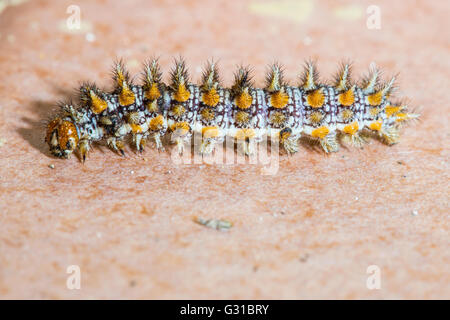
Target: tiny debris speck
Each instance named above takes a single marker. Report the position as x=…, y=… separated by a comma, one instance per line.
x=90, y=37
x=304, y=258
x=415, y=213
x=51, y=166
x=217, y=224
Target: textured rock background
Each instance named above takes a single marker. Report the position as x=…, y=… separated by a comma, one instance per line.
x=309, y=231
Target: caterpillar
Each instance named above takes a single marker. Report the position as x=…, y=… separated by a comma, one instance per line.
x=341, y=110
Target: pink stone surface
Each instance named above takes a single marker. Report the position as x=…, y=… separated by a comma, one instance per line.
x=308, y=231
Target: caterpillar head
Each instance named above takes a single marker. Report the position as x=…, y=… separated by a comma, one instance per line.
x=62, y=137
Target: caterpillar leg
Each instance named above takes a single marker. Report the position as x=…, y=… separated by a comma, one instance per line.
x=247, y=146
x=246, y=141
x=327, y=139
x=352, y=136
x=158, y=142
x=358, y=140
x=207, y=146
x=181, y=133
x=157, y=127
x=179, y=138
x=251, y=147
x=180, y=142
x=143, y=142
x=84, y=149
x=116, y=144
x=291, y=145
x=329, y=143
x=288, y=141
x=355, y=139
x=210, y=136
x=180, y=145
x=139, y=141
x=389, y=133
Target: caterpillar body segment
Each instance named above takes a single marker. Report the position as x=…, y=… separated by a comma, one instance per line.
x=285, y=110
x=183, y=106
x=338, y=112
x=248, y=115
x=212, y=120
x=156, y=104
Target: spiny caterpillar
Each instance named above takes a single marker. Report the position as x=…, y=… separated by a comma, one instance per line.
x=326, y=113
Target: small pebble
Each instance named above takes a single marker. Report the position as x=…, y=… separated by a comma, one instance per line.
x=415, y=213
x=132, y=172
x=51, y=166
